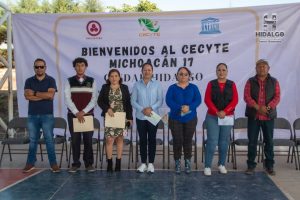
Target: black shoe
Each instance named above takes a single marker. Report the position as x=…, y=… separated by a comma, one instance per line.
x=109, y=165
x=270, y=171
x=118, y=165
x=250, y=171
x=90, y=168
x=73, y=169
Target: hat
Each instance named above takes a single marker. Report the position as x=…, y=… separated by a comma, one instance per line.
x=262, y=61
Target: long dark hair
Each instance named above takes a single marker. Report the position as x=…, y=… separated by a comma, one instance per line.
x=112, y=71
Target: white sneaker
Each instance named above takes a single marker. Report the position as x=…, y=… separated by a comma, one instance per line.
x=207, y=171
x=222, y=169
x=150, y=168
x=142, y=168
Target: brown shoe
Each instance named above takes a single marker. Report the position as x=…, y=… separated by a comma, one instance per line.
x=271, y=171
x=55, y=168
x=28, y=168
x=250, y=171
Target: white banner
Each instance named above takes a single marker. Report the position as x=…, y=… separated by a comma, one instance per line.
x=169, y=40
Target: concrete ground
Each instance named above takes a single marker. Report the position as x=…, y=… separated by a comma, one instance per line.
x=287, y=178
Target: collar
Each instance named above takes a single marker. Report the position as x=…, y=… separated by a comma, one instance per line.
x=142, y=81
x=77, y=77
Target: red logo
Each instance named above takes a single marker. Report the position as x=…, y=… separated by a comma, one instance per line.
x=93, y=28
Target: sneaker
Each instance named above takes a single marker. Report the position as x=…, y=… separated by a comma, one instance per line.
x=142, y=168
x=28, y=168
x=150, y=168
x=90, y=168
x=55, y=168
x=222, y=169
x=270, y=171
x=177, y=166
x=73, y=169
x=207, y=171
x=187, y=165
x=250, y=171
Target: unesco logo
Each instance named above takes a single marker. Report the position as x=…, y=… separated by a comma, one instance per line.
x=93, y=28
x=210, y=26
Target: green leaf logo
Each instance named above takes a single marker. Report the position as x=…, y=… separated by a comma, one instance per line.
x=149, y=24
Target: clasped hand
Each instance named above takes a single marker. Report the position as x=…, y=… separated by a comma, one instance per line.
x=185, y=109
x=147, y=111
x=80, y=116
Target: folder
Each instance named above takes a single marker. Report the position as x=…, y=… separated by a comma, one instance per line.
x=226, y=121
x=86, y=126
x=154, y=118
x=117, y=121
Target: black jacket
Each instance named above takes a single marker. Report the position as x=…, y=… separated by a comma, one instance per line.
x=103, y=101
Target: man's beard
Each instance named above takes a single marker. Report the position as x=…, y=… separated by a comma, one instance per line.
x=40, y=75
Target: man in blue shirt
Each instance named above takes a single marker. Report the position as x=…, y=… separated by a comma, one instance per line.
x=147, y=96
x=39, y=91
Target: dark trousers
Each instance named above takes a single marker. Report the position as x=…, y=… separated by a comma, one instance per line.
x=182, y=137
x=267, y=127
x=88, y=157
x=147, y=134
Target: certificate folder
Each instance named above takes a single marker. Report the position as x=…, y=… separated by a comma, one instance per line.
x=226, y=121
x=86, y=126
x=117, y=121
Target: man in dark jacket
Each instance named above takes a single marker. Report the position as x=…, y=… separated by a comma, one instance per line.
x=262, y=95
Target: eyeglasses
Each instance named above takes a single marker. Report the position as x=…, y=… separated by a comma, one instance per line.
x=41, y=67
x=183, y=74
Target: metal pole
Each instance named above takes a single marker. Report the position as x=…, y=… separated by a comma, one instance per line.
x=9, y=57
x=8, y=64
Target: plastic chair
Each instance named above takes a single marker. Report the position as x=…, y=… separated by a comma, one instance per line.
x=286, y=139
x=296, y=126
x=20, y=137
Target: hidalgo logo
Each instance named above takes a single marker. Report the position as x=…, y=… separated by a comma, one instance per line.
x=270, y=32
x=93, y=28
x=150, y=27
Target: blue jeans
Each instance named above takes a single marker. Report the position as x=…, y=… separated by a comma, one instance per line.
x=35, y=124
x=216, y=135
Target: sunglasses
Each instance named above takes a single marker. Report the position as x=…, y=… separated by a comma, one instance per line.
x=183, y=74
x=41, y=67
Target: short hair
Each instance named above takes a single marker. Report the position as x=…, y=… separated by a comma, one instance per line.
x=112, y=71
x=80, y=60
x=262, y=61
x=189, y=72
x=39, y=59
x=218, y=65
x=147, y=63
